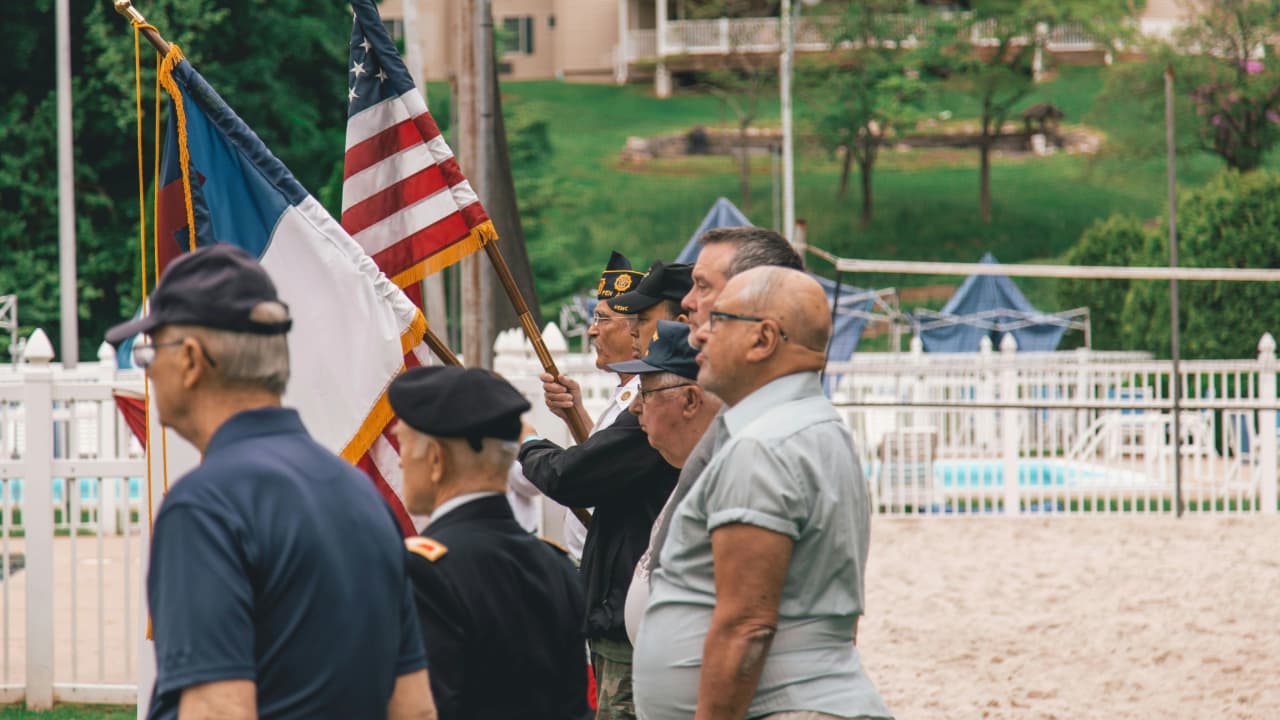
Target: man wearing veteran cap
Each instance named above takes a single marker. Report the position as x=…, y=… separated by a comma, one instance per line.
x=618, y=473
x=656, y=297
x=610, y=334
x=275, y=565
x=497, y=606
x=674, y=412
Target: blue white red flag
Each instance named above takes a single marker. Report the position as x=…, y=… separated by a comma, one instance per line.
x=351, y=324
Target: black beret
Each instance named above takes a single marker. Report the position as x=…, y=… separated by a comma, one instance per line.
x=454, y=402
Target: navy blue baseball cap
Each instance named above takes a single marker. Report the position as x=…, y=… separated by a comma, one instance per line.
x=216, y=286
x=669, y=351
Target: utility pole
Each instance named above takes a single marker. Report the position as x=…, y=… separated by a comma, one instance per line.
x=70, y=320
x=433, y=294
x=473, y=64
x=788, y=159
x=1175, y=350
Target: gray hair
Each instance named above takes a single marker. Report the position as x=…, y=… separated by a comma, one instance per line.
x=250, y=359
x=496, y=455
x=756, y=247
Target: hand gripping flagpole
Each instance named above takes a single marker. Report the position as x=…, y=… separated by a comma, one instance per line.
x=126, y=8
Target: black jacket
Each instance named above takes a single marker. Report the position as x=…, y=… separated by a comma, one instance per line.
x=618, y=473
x=500, y=612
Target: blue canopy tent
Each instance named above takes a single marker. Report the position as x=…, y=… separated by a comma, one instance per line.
x=722, y=214
x=991, y=306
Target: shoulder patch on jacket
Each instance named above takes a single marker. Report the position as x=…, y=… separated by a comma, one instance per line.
x=430, y=549
x=555, y=546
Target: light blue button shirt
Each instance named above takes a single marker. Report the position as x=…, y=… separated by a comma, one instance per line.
x=784, y=462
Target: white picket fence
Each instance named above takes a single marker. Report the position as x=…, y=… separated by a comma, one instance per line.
x=1083, y=432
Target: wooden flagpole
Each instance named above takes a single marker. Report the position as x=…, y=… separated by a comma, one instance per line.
x=126, y=8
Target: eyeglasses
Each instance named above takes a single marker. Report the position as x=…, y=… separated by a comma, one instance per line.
x=598, y=319
x=644, y=394
x=144, y=354
x=717, y=315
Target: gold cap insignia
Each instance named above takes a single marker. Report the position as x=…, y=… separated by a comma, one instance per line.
x=621, y=308
x=601, y=288
x=622, y=283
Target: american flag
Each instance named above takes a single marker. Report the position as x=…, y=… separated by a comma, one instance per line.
x=404, y=198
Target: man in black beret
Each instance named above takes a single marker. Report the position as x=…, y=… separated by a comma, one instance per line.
x=501, y=611
x=275, y=565
x=656, y=297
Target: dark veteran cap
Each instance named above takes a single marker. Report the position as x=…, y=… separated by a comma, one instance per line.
x=662, y=282
x=669, y=351
x=217, y=286
x=618, y=277
x=456, y=402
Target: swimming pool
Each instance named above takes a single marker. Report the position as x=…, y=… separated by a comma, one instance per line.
x=959, y=475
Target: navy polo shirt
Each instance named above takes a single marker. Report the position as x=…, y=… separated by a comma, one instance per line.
x=278, y=562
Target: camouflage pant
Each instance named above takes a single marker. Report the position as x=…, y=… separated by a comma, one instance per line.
x=611, y=660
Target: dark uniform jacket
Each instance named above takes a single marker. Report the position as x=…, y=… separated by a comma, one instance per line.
x=627, y=481
x=500, y=612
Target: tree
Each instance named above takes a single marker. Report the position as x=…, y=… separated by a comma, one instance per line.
x=280, y=64
x=989, y=53
x=1118, y=241
x=1236, y=93
x=1229, y=222
x=743, y=83
x=865, y=92
x=1226, y=95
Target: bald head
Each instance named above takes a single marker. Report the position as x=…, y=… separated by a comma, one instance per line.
x=792, y=298
x=768, y=322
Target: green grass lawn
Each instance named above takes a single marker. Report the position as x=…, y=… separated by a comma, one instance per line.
x=925, y=201
x=69, y=712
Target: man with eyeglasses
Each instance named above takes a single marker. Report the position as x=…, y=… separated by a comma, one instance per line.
x=616, y=472
x=674, y=412
x=258, y=552
x=760, y=583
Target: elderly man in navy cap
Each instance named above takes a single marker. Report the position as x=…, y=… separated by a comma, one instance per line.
x=276, y=568
x=501, y=611
x=674, y=412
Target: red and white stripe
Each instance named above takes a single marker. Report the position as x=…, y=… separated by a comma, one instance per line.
x=404, y=198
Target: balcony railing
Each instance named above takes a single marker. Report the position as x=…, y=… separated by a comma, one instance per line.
x=723, y=36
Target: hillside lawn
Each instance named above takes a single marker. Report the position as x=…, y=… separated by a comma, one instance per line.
x=925, y=200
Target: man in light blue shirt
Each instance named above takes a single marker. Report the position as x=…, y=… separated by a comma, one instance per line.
x=755, y=603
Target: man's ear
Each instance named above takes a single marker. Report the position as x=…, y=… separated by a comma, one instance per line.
x=765, y=345
x=438, y=460
x=693, y=401
x=191, y=365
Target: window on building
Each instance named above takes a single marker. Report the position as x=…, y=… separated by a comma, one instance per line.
x=517, y=35
x=395, y=27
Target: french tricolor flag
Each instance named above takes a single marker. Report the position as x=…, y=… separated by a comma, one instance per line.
x=351, y=325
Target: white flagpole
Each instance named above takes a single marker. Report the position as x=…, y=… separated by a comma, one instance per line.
x=66, y=193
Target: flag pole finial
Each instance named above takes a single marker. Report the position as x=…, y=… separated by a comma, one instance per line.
x=126, y=8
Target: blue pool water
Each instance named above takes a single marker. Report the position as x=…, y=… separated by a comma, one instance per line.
x=965, y=474
x=88, y=490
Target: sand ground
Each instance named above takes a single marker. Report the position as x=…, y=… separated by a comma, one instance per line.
x=1088, y=617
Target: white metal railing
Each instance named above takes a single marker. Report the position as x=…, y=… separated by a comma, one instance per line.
x=70, y=593
x=726, y=35
x=1082, y=431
